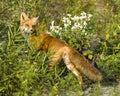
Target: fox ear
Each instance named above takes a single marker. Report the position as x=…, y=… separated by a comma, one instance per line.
x=34, y=20
x=24, y=16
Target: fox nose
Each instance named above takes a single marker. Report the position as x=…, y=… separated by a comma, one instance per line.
x=31, y=30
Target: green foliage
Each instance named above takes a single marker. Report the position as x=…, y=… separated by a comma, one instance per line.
x=111, y=66
x=25, y=72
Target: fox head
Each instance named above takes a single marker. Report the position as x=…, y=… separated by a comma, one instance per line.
x=27, y=25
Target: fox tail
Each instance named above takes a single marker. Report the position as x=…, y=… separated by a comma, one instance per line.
x=84, y=66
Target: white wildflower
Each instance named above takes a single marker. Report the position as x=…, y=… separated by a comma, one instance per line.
x=52, y=26
x=55, y=28
x=82, y=17
x=85, y=23
x=85, y=33
x=75, y=18
x=76, y=26
x=69, y=15
x=89, y=16
x=52, y=23
x=66, y=21
x=66, y=25
x=83, y=14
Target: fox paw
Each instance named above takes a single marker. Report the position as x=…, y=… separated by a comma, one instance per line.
x=83, y=86
x=51, y=66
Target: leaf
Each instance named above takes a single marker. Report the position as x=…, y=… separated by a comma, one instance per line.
x=90, y=56
x=107, y=36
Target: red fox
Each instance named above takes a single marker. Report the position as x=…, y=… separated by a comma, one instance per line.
x=72, y=59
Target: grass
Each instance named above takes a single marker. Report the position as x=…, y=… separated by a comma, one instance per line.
x=25, y=72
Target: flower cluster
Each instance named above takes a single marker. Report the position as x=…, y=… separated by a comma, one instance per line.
x=55, y=28
x=72, y=23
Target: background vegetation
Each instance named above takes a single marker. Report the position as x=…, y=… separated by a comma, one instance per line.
x=24, y=73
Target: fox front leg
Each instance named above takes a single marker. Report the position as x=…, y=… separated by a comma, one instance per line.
x=56, y=57
x=54, y=61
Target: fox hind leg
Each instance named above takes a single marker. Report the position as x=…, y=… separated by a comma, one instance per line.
x=72, y=67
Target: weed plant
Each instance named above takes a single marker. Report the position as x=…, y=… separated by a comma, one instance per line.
x=23, y=72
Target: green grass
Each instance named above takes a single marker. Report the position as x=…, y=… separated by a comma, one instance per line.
x=25, y=72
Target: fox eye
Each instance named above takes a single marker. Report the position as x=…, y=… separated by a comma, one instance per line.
x=27, y=25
